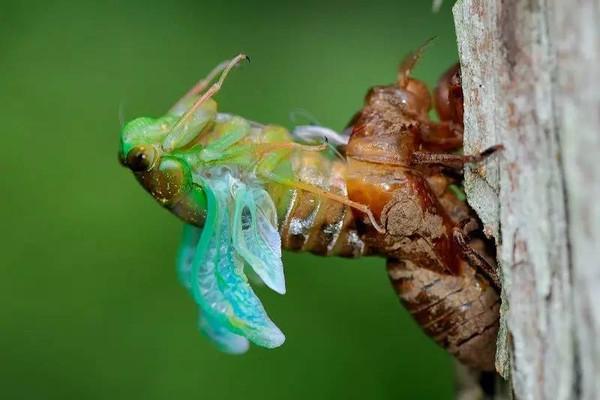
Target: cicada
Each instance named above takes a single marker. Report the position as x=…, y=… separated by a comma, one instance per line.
x=386, y=187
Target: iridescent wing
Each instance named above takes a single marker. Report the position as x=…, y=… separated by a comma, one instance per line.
x=213, y=271
x=255, y=235
x=225, y=340
x=221, y=336
x=187, y=252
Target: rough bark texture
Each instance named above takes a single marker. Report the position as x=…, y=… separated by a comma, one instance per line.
x=530, y=72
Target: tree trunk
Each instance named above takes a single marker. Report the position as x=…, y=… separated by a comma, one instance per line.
x=530, y=71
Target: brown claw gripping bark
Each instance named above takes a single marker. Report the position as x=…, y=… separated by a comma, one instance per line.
x=438, y=259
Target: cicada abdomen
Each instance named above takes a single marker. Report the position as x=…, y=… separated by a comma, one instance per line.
x=438, y=264
x=317, y=223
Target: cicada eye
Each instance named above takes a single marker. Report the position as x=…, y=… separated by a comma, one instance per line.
x=141, y=158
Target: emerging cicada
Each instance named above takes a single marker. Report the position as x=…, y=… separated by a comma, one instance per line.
x=247, y=190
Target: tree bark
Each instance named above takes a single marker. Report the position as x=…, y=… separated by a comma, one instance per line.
x=530, y=71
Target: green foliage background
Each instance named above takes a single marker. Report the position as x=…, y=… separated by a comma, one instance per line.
x=90, y=307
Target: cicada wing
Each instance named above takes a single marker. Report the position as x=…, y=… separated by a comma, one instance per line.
x=216, y=331
x=253, y=277
x=255, y=235
x=186, y=254
x=225, y=340
x=219, y=285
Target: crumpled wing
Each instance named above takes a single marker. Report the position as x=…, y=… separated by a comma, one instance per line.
x=213, y=272
x=255, y=235
x=186, y=253
x=225, y=340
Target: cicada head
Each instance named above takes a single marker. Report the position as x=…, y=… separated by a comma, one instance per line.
x=154, y=150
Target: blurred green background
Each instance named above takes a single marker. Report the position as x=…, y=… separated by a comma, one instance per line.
x=90, y=307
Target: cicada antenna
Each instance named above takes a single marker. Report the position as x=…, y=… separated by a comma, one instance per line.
x=121, y=114
x=214, y=89
x=437, y=4
x=409, y=62
x=202, y=83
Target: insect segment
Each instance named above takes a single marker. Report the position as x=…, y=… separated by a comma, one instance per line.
x=438, y=261
x=247, y=190
x=244, y=190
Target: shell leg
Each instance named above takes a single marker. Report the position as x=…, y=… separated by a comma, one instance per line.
x=453, y=161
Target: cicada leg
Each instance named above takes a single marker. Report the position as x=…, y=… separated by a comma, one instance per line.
x=202, y=84
x=453, y=161
x=445, y=136
x=409, y=62
x=474, y=258
x=193, y=119
x=212, y=90
x=221, y=145
x=267, y=165
x=264, y=148
x=222, y=150
x=320, y=192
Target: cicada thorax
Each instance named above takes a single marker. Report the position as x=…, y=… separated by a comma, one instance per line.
x=449, y=298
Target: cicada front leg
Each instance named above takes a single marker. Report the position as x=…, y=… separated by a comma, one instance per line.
x=194, y=117
x=223, y=68
x=475, y=258
x=442, y=136
x=200, y=86
x=446, y=135
x=266, y=169
x=453, y=161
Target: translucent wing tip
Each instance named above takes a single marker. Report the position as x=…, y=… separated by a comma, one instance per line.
x=226, y=341
x=269, y=338
x=236, y=346
x=275, y=282
x=277, y=340
x=279, y=287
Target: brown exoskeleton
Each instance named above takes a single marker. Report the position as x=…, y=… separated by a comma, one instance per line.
x=400, y=166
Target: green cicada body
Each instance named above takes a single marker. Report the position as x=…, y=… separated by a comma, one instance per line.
x=235, y=183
